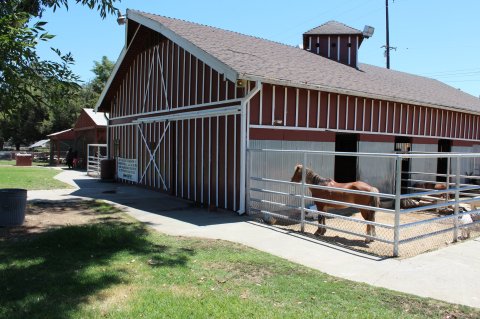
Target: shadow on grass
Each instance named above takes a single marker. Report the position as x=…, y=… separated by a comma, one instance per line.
x=50, y=275
x=85, y=207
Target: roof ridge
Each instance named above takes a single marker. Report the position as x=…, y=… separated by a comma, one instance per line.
x=336, y=23
x=216, y=28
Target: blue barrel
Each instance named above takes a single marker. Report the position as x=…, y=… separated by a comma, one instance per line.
x=13, y=202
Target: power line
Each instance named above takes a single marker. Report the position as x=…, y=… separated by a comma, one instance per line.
x=361, y=4
x=453, y=72
x=459, y=75
x=456, y=81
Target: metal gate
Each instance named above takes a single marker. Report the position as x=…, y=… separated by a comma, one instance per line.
x=423, y=218
x=95, y=154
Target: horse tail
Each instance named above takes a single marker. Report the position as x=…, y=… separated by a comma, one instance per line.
x=375, y=200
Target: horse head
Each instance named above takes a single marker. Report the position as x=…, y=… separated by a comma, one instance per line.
x=297, y=175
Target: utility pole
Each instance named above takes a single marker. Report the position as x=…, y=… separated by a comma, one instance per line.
x=387, y=47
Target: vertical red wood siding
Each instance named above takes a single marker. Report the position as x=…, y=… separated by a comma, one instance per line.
x=301, y=107
x=311, y=109
x=198, y=158
x=185, y=81
x=266, y=115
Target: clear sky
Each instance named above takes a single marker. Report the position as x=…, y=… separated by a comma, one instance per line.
x=434, y=38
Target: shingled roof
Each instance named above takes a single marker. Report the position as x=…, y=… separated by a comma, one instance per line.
x=333, y=27
x=253, y=58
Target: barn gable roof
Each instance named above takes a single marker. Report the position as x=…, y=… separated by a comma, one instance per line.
x=333, y=27
x=97, y=117
x=62, y=135
x=240, y=56
x=89, y=119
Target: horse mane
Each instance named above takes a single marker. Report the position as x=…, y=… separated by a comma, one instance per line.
x=315, y=178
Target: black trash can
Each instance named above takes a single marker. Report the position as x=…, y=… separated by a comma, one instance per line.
x=107, y=169
x=13, y=202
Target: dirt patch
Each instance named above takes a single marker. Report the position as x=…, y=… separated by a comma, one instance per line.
x=41, y=216
x=342, y=232
x=113, y=298
x=239, y=272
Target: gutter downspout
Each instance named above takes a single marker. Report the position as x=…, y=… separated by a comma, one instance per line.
x=244, y=141
x=108, y=134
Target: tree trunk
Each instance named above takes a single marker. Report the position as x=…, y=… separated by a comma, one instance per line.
x=17, y=146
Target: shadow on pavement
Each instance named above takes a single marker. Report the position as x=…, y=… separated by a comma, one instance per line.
x=154, y=202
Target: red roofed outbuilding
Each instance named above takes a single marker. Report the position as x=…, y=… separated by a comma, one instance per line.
x=90, y=128
x=60, y=142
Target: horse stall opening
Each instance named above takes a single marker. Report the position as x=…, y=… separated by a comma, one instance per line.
x=294, y=189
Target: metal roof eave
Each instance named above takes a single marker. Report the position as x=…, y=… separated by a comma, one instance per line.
x=60, y=132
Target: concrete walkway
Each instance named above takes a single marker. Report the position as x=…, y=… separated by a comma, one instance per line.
x=451, y=274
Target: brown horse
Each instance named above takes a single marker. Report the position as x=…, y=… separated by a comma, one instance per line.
x=313, y=178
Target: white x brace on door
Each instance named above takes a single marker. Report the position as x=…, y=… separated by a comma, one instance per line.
x=152, y=150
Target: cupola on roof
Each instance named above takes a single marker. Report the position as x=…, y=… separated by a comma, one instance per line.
x=333, y=28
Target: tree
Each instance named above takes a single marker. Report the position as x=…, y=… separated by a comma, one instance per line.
x=91, y=91
x=20, y=67
x=31, y=122
x=26, y=81
x=37, y=7
x=102, y=71
x=67, y=103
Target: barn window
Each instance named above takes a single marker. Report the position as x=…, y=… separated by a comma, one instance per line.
x=317, y=45
x=334, y=44
x=349, y=45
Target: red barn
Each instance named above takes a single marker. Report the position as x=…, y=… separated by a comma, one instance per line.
x=90, y=128
x=187, y=100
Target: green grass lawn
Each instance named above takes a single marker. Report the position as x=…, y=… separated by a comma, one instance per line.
x=13, y=163
x=30, y=178
x=7, y=162
x=119, y=269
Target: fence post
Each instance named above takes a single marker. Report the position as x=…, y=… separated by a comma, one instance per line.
x=88, y=157
x=457, y=197
x=248, y=181
x=98, y=159
x=398, y=189
x=302, y=214
x=447, y=178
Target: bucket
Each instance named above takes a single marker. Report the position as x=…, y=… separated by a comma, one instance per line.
x=13, y=202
